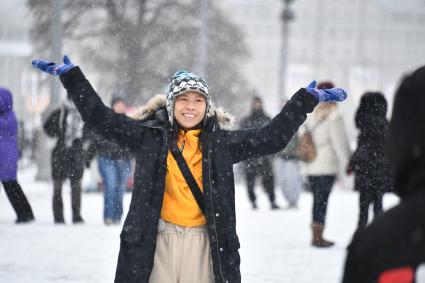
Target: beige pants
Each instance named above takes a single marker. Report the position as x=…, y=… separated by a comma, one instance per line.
x=182, y=255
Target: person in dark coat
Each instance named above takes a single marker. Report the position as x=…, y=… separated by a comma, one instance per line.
x=392, y=247
x=114, y=167
x=261, y=166
x=369, y=161
x=67, y=158
x=184, y=121
x=9, y=159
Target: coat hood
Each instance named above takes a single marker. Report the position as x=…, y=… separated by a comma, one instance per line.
x=372, y=104
x=225, y=120
x=6, y=100
x=370, y=117
x=406, y=136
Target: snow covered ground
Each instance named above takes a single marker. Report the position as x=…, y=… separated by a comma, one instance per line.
x=275, y=245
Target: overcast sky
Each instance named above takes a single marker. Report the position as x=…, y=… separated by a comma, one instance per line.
x=13, y=13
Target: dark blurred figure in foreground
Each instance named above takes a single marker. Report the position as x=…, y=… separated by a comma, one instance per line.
x=392, y=247
x=9, y=159
x=258, y=166
x=369, y=161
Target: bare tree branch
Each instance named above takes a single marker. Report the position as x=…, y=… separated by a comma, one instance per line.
x=136, y=44
x=112, y=11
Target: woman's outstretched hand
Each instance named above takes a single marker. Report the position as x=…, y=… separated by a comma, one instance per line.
x=326, y=95
x=53, y=68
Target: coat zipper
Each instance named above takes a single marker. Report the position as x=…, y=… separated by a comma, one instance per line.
x=211, y=199
x=164, y=148
x=213, y=212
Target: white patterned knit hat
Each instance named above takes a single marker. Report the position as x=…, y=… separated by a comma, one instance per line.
x=181, y=82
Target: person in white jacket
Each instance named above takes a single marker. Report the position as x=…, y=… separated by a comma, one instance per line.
x=332, y=153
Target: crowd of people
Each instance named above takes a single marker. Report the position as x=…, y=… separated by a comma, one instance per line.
x=184, y=150
x=316, y=156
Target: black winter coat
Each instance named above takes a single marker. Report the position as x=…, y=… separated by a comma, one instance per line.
x=393, y=240
x=369, y=161
x=106, y=148
x=149, y=140
x=66, y=162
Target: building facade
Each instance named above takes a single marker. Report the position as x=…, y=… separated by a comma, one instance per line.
x=358, y=44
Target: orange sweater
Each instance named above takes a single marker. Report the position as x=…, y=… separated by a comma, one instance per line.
x=179, y=205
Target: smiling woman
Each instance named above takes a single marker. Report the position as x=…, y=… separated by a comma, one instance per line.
x=181, y=224
x=189, y=110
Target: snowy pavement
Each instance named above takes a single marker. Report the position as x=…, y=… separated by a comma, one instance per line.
x=275, y=245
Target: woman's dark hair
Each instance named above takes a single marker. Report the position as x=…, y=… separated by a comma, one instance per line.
x=325, y=85
x=116, y=99
x=373, y=103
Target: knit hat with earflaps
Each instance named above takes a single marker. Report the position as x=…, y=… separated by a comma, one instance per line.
x=181, y=82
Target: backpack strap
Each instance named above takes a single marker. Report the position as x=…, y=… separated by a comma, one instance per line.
x=190, y=180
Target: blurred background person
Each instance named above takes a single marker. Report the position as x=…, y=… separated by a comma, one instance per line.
x=332, y=154
x=289, y=175
x=67, y=157
x=261, y=166
x=114, y=167
x=9, y=159
x=369, y=162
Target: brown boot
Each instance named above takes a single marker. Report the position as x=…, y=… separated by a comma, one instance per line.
x=318, y=240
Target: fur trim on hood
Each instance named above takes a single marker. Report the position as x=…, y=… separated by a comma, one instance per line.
x=225, y=120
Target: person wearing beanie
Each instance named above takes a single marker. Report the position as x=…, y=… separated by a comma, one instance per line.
x=332, y=153
x=369, y=163
x=9, y=155
x=261, y=166
x=391, y=248
x=181, y=224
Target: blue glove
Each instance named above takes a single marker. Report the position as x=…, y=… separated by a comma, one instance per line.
x=53, y=68
x=326, y=95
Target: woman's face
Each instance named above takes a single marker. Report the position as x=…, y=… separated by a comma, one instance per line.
x=119, y=107
x=189, y=110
